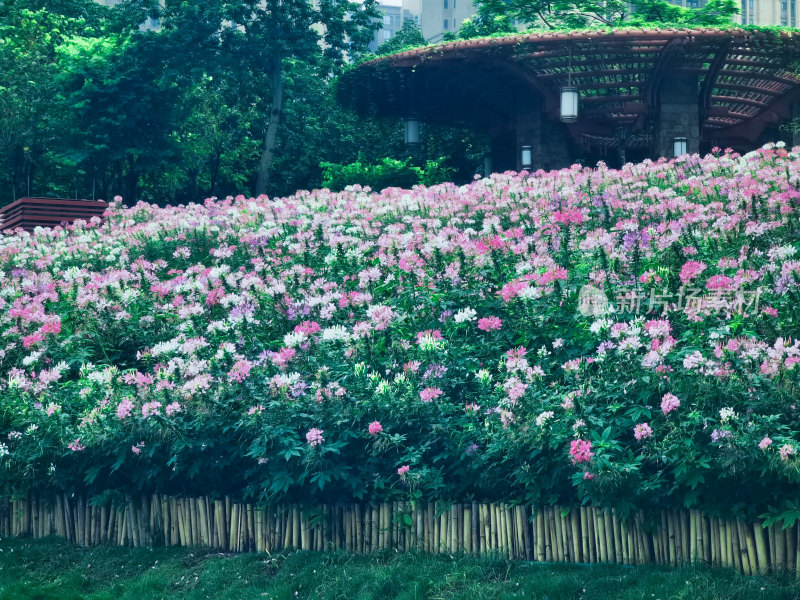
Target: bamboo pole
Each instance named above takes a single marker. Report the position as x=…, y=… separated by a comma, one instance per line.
x=773, y=551
x=745, y=534
x=609, y=535
x=626, y=542
x=601, y=536
x=508, y=530
x=519, y=529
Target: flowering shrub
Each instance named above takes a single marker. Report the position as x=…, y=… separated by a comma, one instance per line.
x=615, y=337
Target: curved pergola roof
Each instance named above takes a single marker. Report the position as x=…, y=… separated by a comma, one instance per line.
x=747, y=78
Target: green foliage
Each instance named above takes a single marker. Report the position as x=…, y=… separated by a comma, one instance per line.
x=387, y=172
x=53, y=569
x=509, y=16
x=409, y=36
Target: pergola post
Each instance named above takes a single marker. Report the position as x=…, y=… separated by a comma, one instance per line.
x=795, y=124
x=678, y=114
x=529, y=132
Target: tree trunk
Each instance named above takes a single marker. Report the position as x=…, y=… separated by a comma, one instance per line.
x=271, y=136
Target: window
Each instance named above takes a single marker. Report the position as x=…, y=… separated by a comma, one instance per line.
x=387, y=35
x=454, y=3
x=387, y=20
x=445, y=4
x=446, y=25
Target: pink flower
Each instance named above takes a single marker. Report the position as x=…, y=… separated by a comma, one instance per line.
x=571, y=215
x=172, y=408
x=581, y=451
x=433, y=334
x=489, y=323
x=137, y=449
x=51, y=326
x=430, y=393
x=314, y=436
x=786, y=451
x=255, y=409
x=690, y=270
x=75, y=445
x=214, y=296
x=124, y=409
x=719, y=282
x=282, y=357
x=765, y=443
x=669, y=402
x=588, y=476
x=375, y=428
x=642, y=431
x=307, y=327
x=403, y=470
x=34, y=338
x=150, y=408
x=772, y=312
x=240, y=370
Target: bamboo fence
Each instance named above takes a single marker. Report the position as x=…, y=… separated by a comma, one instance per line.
x=552, y=534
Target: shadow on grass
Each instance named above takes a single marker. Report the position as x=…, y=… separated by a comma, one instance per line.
x=52, y=569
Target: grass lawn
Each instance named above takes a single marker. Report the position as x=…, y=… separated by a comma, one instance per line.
x=53, y=569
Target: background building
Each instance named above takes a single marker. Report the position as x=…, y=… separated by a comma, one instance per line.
x=391, y=24
x=437, y=17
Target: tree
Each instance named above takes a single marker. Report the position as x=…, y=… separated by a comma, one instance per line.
x=504, y=16
x=117, y=104
x=266, y=35
x=30, y=128
x=409, y=36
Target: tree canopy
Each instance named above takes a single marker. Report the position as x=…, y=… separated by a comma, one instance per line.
x=508, y=16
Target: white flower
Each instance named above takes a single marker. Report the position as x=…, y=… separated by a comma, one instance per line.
x=544, y=417
x=483, y=376
x=294, y=338
x=465, y=314
x=727, y=413
x=3, y=450
x=337, y=333
x=599, y=325
x=531, y=293
x=31, y=359
x=165, y=347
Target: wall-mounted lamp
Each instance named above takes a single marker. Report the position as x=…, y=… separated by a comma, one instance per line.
x=526, y=157
x=678, y=146
x=412, y=129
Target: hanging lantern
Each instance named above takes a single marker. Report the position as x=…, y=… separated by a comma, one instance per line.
x=678, y=147
x=526, y=157
x=412, y=131
x=569, y=104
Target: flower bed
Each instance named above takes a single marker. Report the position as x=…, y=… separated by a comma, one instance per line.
x=618, y=338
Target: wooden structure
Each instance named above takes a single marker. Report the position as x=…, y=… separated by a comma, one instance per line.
x=28, y=213
x=639, y=89
x=573, y=534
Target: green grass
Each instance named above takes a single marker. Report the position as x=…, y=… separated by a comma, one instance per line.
x=53, y=569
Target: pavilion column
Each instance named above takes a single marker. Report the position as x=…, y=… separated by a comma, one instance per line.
x=503, y=155
x=795, y=132
x=529, y=131
x=679, y=114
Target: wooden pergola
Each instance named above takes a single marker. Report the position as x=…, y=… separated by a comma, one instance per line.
x=728, y=85
x=29, y=213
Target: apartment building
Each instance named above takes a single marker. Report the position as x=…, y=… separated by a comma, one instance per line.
x=391, y=23
x=437, y=17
